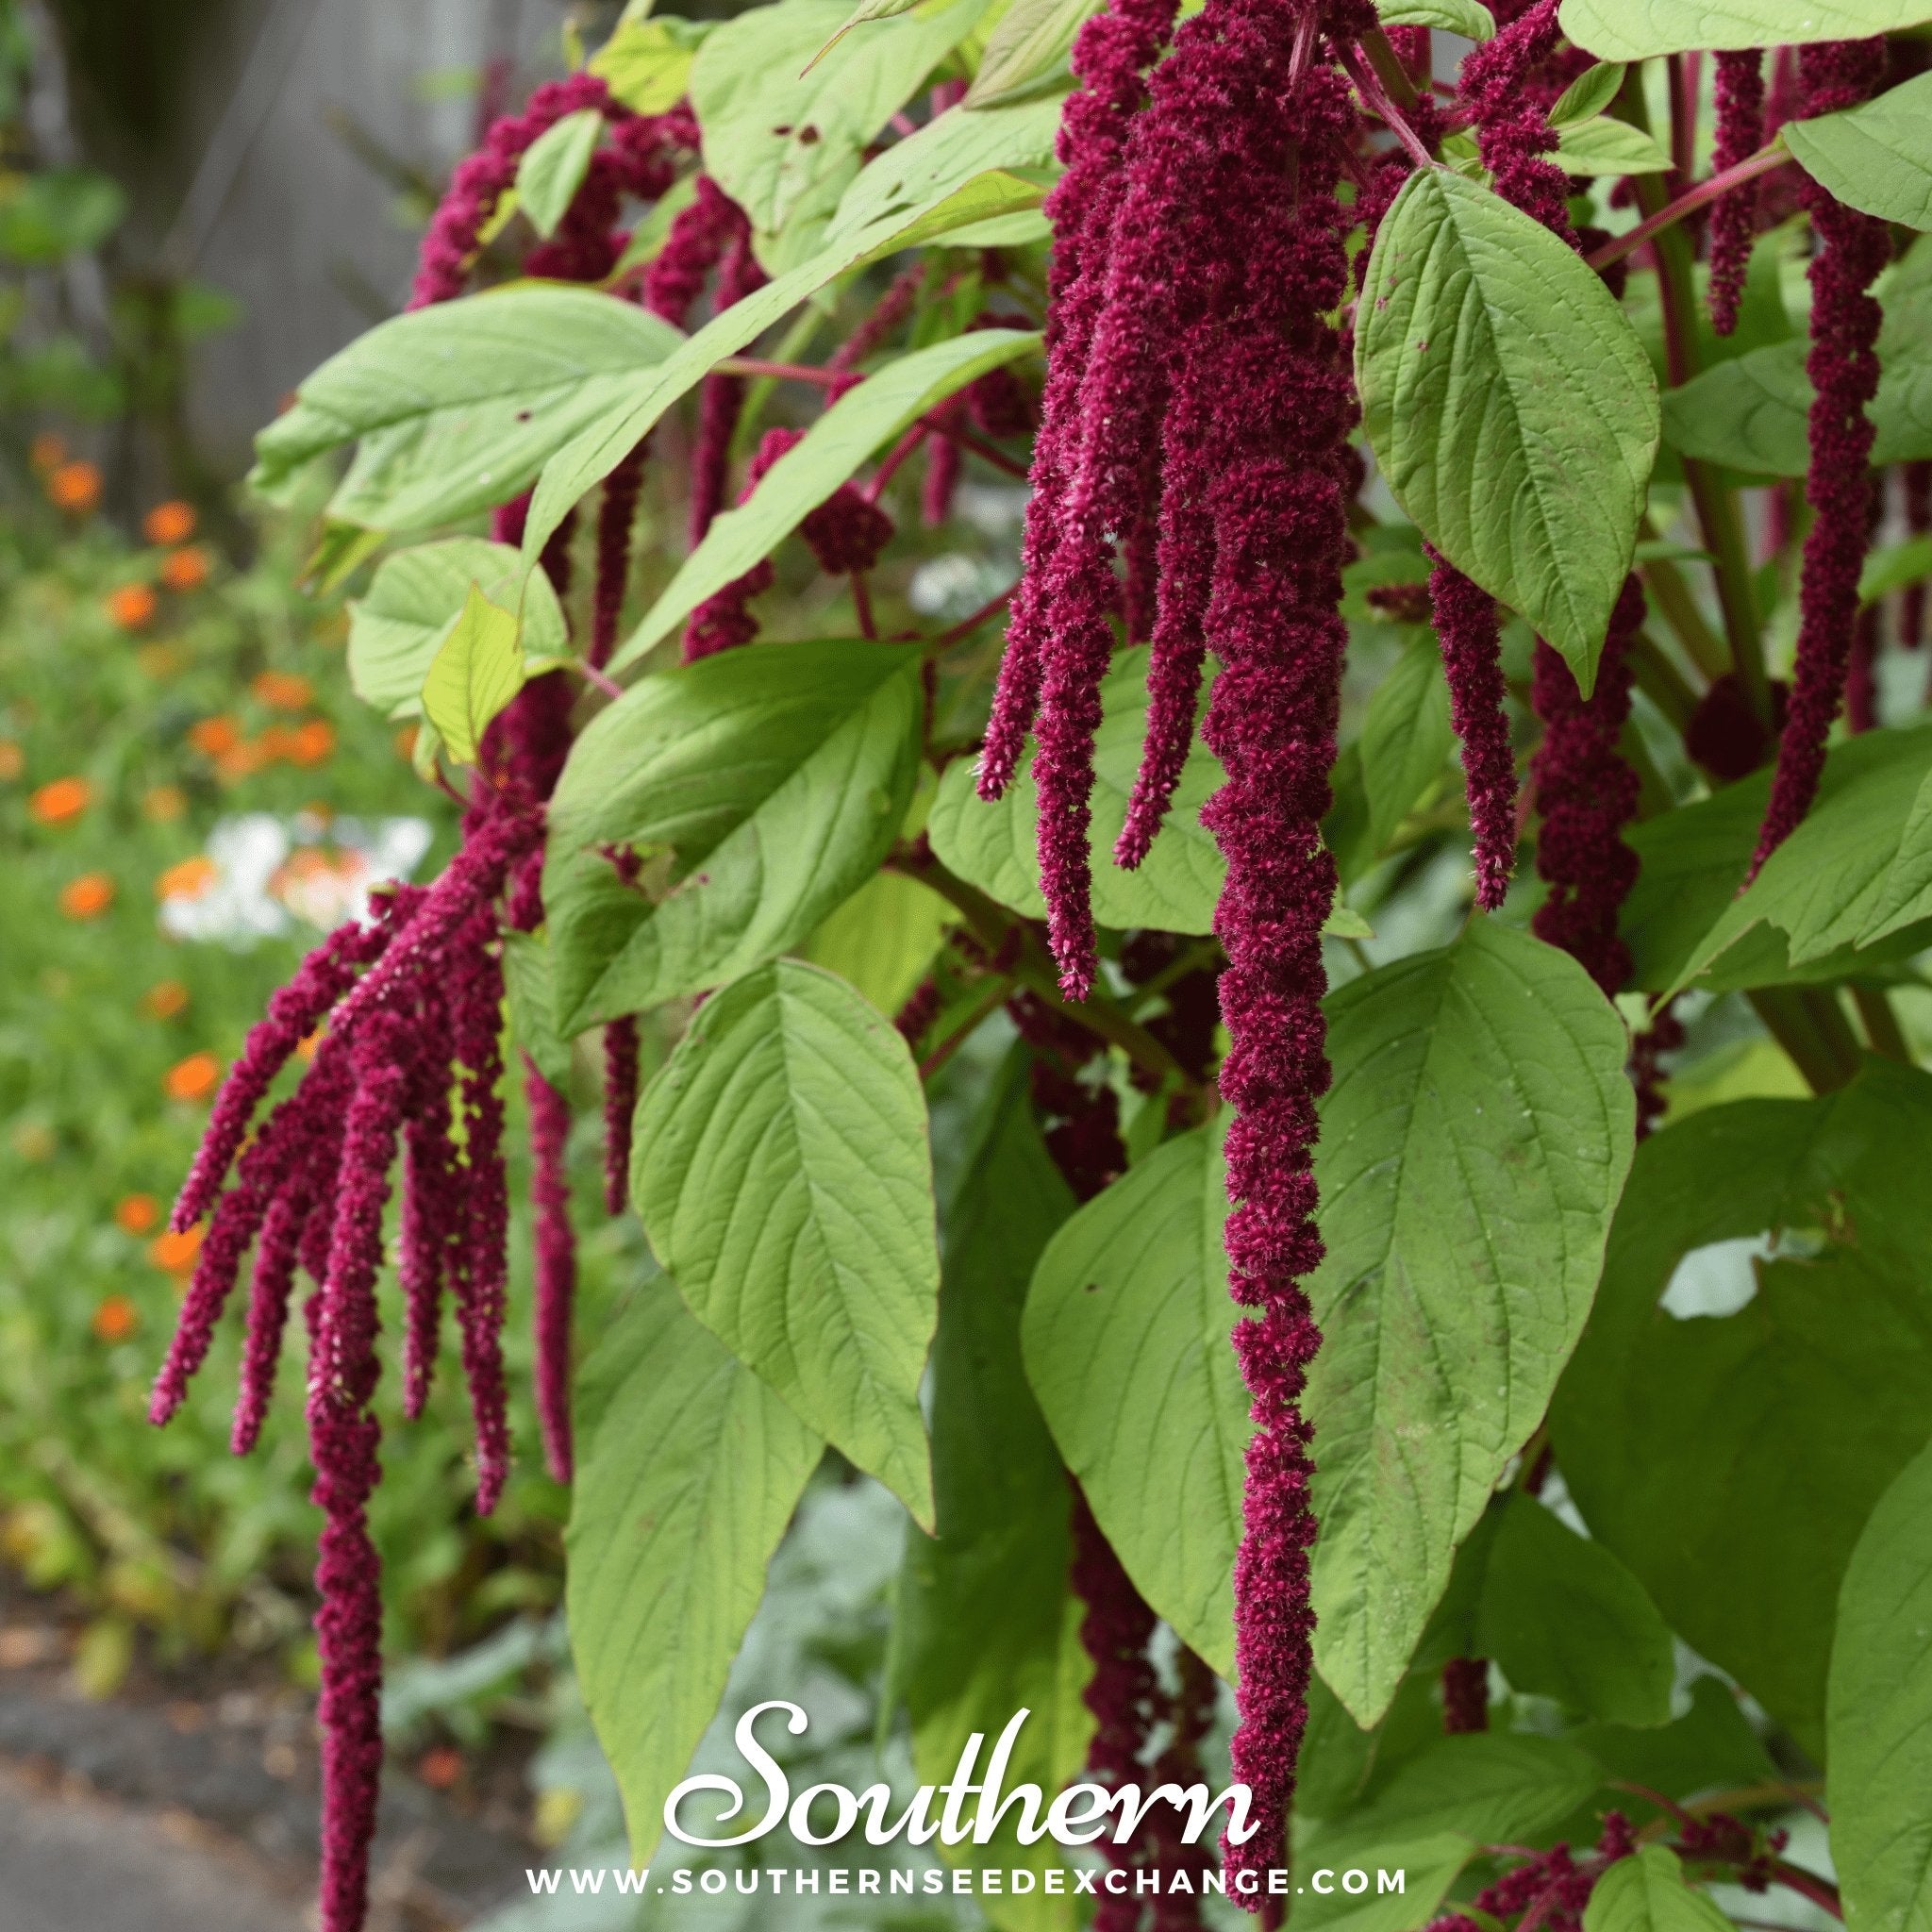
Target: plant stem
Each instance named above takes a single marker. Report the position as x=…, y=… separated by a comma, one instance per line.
x=967, y=625
x=998, y=931
x=1703, y=645
x=783, y=371
x=897, y=455
x=976, y=1016
x=1717, y=510
x=1389, y=68
x=1766, y=161
x=861, y=603
x=598, y=678
x=1661, y=680
x=1883, y=1033
x=1377, y=102
x=1811, y=1027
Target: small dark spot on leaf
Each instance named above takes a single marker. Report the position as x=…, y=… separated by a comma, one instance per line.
x=808, y=136
x=784, y=129
x=523, y=416
x=1421, y=348
x=1093, y=1288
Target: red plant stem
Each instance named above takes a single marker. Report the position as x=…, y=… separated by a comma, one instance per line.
x=897, y=455
x=1766, y=161
x=1377, y=102
x=599, y=680
x=967, y=625
x=784, y=372
x=977, y=445
x=862, y=602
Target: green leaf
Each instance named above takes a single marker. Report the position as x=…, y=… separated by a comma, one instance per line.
x=1127, y=1338
x=1876, y=157
x=1749, y=413
x=459, y=405
x=761, y=788
x=783, y=131
x=883, y=937
x=1879, y=1713
x=986, y=1622
x=1470, y=19
x=863, y=420
x=1406, y=736
x=683, y=1489
x=1474, y=1145
x=554, y=166
x=1566, y=1620
x=528, y=995
x=57, y=213
x=1801, y=1396
x=1174, y=887
x=1710, y=1748
x=413, y=602
x=1606, y=146
x=943, y=156
x=478, y=669
x=1637, y=29
x=646, y=63
x=1429, y=1867
x=627, y=412
x=1027, y=51
x=1491, y=1786
x=1590, y=94
x=783, y=1176
x=1857, y=871
x=1893, y=567
x=1647, y=1893
x=1510, y=405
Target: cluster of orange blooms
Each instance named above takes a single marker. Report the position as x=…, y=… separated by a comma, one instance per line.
x=221, y=740
x=185, y=567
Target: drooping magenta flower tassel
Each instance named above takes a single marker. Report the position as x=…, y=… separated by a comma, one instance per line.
x=722, y=401
x=556, y=1264
x=620, y=1105
x=343, y=1437
x=1916, y=488
x=1514, y=132
x=1734, y=216
x=1586, y=795
x=1843, y=365
x=616, y=512
x=430, y=1194
x=1465, y=1695
x=1112, y=55
x=1472, y=639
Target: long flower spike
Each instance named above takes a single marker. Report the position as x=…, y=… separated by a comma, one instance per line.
x=1734, y=216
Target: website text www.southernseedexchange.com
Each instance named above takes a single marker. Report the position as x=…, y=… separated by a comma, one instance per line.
x=588, y=1881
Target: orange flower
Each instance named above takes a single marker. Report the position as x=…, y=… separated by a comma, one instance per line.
x=194, y=1078
x=239, y=761
x=169, y=522
x=116, y=1320
x=74, y=488
x=189, y=879
x=64, y=798
x=12, y=762
x=163, y=804
x=175, y=1252
x=213, y=736
x=276, y=741
x=137, y=1213
x=440, y=1767
x=47, y=453
x=132, y=607
x=88, y=897
x=186, y=570
x=314, y=741
x=283, y=690
x=165, y=1000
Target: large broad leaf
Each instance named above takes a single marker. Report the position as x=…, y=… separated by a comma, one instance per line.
x=457, y=406
x=783, y=132
x=949, y=151
x=1026, y=52
x=1856, y=874
x=1710, y=1748
x=554, y=166
x=783, y=1176
x=1510, y=405
x=757, y=789
x=1877, y=157
x=1566, y=1620
x=883, y=937
x=862, y=421
x=1127, y=1349
x=1472, y=1149
x=1637, y=29
x=684, y=1486
x=1750, y=413
x=994, y=846
x=646, y=63
x=987, y=1625
x=632, y=408
x=476, y=671
x=1803, y=1400
x=413, y=602
x=1604, y=145
x=1407, y=736
x=1878, y=1718
x=1647, y=1893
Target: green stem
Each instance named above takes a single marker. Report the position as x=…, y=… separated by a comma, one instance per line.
x=1882, y=1031
x=976, y=1016
x=1661, y=680
x=1811, y=1027
x=1672, y=595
